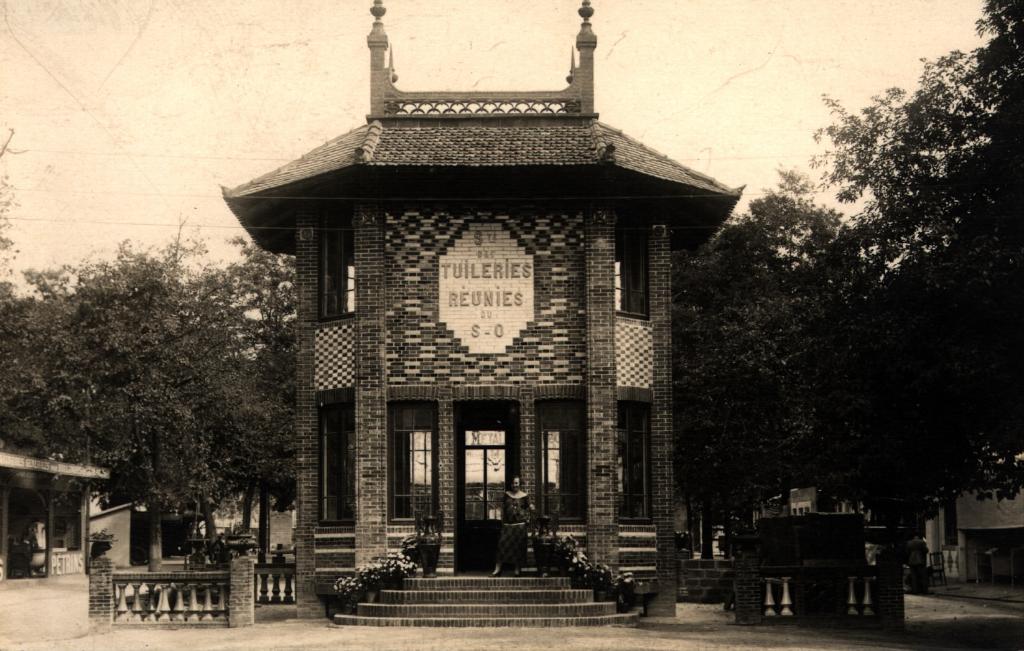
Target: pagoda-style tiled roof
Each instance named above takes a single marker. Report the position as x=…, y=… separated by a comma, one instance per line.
x=576, y=143
x=456, y=145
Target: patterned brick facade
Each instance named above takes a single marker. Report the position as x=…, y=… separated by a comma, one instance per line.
x=423, y=350
x=397, y=348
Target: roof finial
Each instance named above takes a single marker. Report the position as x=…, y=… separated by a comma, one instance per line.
x=572, y=65
x=378, y=10
x=586, y=11
x=391, y=64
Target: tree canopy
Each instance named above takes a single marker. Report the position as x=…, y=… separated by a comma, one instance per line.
x=879, y=357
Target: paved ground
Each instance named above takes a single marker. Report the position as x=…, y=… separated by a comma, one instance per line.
x=38, y=615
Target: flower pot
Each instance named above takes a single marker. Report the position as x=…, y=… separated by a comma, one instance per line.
x=542, y=553
x=600, y=595
x=429, y=552
x=370, y=597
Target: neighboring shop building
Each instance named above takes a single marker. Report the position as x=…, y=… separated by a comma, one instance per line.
x=44, y=515
x=980, y=540
x=484, y=292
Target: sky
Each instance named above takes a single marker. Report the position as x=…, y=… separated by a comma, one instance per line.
x=129, y=115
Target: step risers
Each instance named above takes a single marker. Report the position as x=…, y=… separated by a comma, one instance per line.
x=626, y=619
x=463, y=596
x=487, y=583
x=502, y=610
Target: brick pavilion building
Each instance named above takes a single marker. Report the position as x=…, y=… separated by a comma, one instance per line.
x=484, y=292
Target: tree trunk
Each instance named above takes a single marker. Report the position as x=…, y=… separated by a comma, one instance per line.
x=264, y=541
x=784, y=506
x=247, y=506
x=727, y=531
x=211, y=524
x=156, y=548
x=707, y=530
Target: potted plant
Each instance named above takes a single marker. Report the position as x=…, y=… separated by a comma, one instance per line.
x=428, y=542
x=625, y=592
x=544, y=542
x=101, y=541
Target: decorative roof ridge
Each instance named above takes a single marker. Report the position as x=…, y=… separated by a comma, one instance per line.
x=604, y=151
x=704, y=177
x=365, y=151
x=386, y=100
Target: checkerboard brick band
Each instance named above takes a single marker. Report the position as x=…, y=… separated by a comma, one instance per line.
x=335, y=357
x=634, y=353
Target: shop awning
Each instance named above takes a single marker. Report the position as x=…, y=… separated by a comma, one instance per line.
x=22, y=462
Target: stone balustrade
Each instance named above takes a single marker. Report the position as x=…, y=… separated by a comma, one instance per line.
x=275, y=583
x=182, y=599
x=171, y=597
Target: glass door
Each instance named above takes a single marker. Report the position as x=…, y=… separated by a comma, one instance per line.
x=486, y=438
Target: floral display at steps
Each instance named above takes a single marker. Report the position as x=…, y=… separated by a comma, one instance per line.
x=389, y=572
x=369, y=579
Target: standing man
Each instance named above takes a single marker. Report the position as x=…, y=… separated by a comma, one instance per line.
x=917, y=559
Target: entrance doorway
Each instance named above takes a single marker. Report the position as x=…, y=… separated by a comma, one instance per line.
x=487, y=457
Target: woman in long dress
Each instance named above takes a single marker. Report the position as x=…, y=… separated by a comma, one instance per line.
x=515, y=513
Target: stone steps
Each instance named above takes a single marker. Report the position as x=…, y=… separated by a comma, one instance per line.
x=502, y=610
x=521, y=596
x=626, y=619
x=473, y=601
x=488, y=583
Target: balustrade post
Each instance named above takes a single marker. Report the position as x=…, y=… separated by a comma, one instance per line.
x=264, y=591
x=122, y=601
x=769, y=599
x=164, y=605
x=289, y=598
x=136, y=601
x=207, y=602
x=868, y=610
x=786, y=601
x=152, y=602
x=851, y=596
x=177, y=610
x=275, y=597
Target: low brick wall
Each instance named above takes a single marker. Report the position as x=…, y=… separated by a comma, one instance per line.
x=101, y=594
x=704, y=581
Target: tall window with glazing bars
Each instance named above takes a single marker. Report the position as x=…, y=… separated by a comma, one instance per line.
x=337, y=458
x=413, y=467
x=633, y=460
x=563, y=465
x=631, y=272
x=337, y=271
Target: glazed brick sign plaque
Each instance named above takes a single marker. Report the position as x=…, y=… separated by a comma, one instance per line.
x=485, y=288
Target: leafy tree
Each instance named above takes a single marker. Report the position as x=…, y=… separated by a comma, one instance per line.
x=177, y=375
x=743, y=307
x=925, y=348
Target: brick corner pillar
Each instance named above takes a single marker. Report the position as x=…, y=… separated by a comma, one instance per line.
x=602, y=409
x=747, y=581
x=101, y=594
x=890, y=590
x=663, y=488
x=371, y=391
x=306, y=420
x=241, y=597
